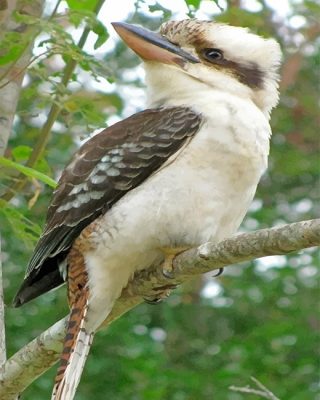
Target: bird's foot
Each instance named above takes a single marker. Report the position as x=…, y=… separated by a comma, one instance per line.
x=170, y=254
x=162, y=293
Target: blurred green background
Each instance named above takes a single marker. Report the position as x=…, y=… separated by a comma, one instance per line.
x=257, y=320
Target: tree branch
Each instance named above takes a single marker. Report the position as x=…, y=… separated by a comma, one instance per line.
x=3, y=355
x=9, y=96
x=37, y=356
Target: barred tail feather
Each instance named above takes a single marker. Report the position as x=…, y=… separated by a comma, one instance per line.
x=75, y=351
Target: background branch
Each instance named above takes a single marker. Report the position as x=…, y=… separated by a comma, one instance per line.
x=37, y=356
x=261, y=392
x=54, y=112
x=9, y=96
x=3, y=355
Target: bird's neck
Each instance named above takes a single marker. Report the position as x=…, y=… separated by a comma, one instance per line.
x=182, y=90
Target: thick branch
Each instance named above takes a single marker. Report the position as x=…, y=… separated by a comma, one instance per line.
x=37, y=356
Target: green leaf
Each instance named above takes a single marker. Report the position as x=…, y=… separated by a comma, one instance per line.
x=21, y=153
x=11, y=47
x=194, y=3
x=100, y=30
x=78, y=17
x=30, y=172
x=23, y=227
x=312, y=6
x=81, y=4
x=26, y=18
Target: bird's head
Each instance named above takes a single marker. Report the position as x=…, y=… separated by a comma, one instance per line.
x=193, y=56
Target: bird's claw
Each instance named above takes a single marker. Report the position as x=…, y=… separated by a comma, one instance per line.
x=152, y=300
x=163, y=292
x=220, y=271
x=170, y=254
x=168, y=272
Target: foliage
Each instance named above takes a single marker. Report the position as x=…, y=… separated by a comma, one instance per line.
x=255, y=321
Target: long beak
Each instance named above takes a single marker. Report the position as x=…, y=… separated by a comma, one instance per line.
x=151, y=46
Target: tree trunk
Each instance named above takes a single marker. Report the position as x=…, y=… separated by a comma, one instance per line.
x=11, y=76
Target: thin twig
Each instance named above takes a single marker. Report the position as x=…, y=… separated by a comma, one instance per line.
x=55, y=10
x=264, y=392
x=249, y=390
x=265, y=389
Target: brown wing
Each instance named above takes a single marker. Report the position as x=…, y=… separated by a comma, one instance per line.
x=105, y=168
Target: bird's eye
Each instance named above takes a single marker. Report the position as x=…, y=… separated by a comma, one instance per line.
x=213, y=54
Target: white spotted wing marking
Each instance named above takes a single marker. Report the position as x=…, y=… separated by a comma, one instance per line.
x=97, y=179
x=109, y=166
x=79, y=188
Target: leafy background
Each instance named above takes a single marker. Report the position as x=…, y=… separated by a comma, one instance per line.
x=256, y=320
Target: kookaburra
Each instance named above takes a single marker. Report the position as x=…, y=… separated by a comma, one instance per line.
x=178, y=174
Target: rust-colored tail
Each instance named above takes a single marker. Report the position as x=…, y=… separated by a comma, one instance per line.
x=75, y=350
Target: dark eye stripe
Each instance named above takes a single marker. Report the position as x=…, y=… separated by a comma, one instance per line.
x=249, y=73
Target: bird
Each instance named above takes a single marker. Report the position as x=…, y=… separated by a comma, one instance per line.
x=180, y=173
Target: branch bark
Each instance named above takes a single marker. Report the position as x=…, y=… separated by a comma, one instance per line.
x=9, y=96
x=40, y=354
x=3, y=353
